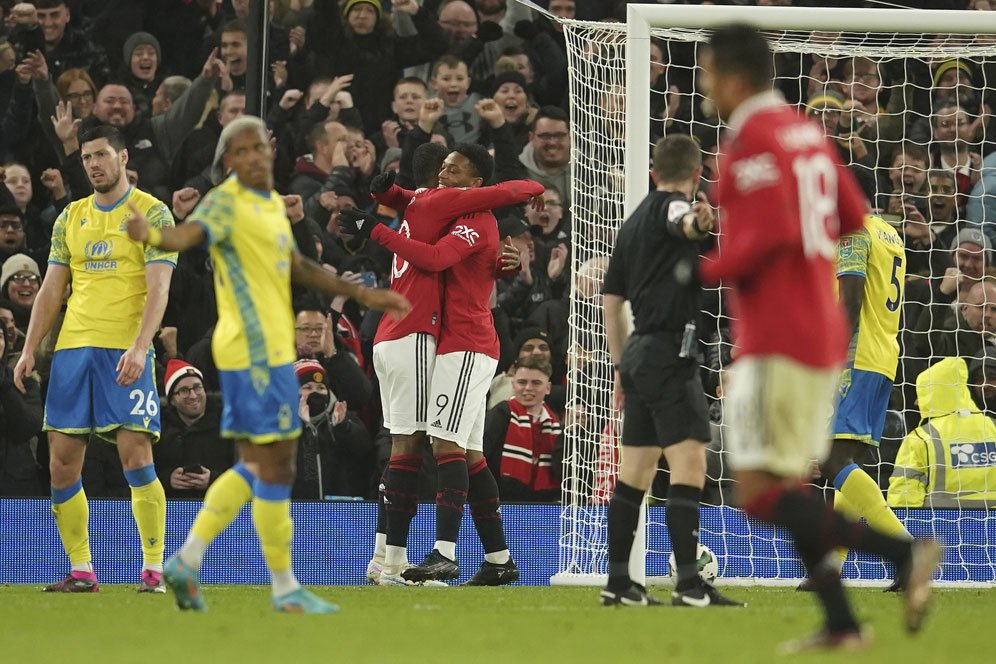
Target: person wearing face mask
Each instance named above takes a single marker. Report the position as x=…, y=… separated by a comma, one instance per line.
x=191, y=453
x=335, y=455
x=949, y=461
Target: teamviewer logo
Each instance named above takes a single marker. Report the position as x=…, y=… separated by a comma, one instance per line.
x=973, y=455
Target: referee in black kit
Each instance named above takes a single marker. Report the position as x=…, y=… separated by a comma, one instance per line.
x=653, y=266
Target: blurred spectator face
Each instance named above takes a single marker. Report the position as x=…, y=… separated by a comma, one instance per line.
x=513, y=101
x=828, y=117
x=311, y=387
x=519, y=62
x=132, y=177
x=530, y=386
x=943, y=203
x=362, y=18
x=549, y=217
x=144, y=62
x=459, y=20
x=523, y=242
x=316, y=90
x=908, y=173
x=408, y=100
x=18, y=180
x=588, y=281
x=160, y=104
x=971, y=261
x=11, y=233
x=951, y=124
x=537, y=348
x=862, y=81
x=115, y=106
x=241, y=8
x=983, y=384
x=232, y=106
x=551, y=143
x=234, y=52
x=104, y=165
x=8, y=59
x=308, y=329
x=22, y=288
x=562, y=8
x=53, y=23
x=80, y=97
x=188, y=397
x=979, y=308
x=489, y=7
x=451, y=83
x=657, y=66
x=7, y=326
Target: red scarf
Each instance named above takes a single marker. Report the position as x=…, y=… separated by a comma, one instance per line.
x=527, y=456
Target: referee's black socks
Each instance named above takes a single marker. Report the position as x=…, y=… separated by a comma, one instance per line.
x=623, y=517
x=682, y=518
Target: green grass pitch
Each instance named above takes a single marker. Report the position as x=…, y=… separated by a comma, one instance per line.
x=470, y=625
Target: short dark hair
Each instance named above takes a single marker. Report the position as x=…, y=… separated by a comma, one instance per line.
x=676, y=156
x=113, y=135
x=50, y=4
x=426, y=162
x=410, y=80
x=236, y=25
x=450, y=60
x=317, y=134
x=533, y=362
x=484, y=163
x=742, y=50
x=913, y=151
x=550, y=113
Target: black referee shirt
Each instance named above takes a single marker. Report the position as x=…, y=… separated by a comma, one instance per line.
x=653, y=265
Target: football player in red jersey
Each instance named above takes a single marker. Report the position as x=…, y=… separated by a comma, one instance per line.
x=784, y=201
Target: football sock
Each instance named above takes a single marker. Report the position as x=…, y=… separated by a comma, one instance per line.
x=72, y=517
x=400, y=504
x=623, y=516
x=450, y=498
x=222, y=502
x=482, y=497
x=818, y=528
x=271, y=516
x=682, y=517
x=380, y=537
x=148, y=506
x=865, y=496
x=846, y=509
x=380, y=546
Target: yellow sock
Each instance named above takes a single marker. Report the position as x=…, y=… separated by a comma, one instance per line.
x=72, y=516
x=841, y=505
x=866, y=500
x=271, y=516
x=222, y=503
x=148, y=506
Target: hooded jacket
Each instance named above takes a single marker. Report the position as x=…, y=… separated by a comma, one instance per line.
x=949, y=461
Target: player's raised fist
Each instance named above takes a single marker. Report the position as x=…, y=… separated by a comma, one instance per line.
x=382, y=299
x=357, y=222
x=294, y=206
x=490, y=112
x=381, y=182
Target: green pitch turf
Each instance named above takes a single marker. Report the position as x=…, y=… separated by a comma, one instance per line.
x=468, y=625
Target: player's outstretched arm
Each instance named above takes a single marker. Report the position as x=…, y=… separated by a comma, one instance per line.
x=47, y=304
x=172, y=238
x=306, y=272
x=430, y=257
x=458, y=202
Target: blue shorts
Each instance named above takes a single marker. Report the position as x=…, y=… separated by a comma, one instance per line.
x=84, y=397
x=864, y=399
x=262, y=415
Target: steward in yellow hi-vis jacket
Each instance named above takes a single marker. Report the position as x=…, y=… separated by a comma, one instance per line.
x=949, y=461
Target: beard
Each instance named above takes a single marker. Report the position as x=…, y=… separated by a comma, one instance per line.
x=112, y=182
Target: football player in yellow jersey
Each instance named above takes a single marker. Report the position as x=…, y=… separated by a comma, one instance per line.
x=102, y=380
x=246, y=225
x=871, y=272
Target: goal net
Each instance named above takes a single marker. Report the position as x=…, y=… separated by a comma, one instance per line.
x=910, y=114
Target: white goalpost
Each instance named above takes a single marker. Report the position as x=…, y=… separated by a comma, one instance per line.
x=620, y=103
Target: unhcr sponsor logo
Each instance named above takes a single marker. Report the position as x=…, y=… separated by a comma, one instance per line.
x=98, y=253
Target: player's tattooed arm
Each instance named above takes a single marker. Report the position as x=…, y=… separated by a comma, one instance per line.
x=306, y=272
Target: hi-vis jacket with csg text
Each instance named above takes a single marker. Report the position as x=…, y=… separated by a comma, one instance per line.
x=949, y=461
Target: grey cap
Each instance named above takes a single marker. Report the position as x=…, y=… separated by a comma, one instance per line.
x=390, y=154
x=971, y=236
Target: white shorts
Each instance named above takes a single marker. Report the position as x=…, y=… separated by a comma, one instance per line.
x=778, y=412
x=458, y=404
x=404, y=369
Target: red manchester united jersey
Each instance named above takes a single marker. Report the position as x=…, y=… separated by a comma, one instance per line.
x=468, y=255
x=784, y=200
x=427, y=215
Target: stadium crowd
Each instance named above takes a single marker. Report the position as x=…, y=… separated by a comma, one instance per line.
x=354, y=86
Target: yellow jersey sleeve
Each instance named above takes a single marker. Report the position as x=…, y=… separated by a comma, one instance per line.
x=852, y=254
x=59, y=251
x=215, y=213
x=159, y=217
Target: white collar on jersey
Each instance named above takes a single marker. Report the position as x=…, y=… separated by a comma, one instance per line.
x=762, y=101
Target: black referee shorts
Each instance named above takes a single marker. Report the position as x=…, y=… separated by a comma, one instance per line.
x=665, y=402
